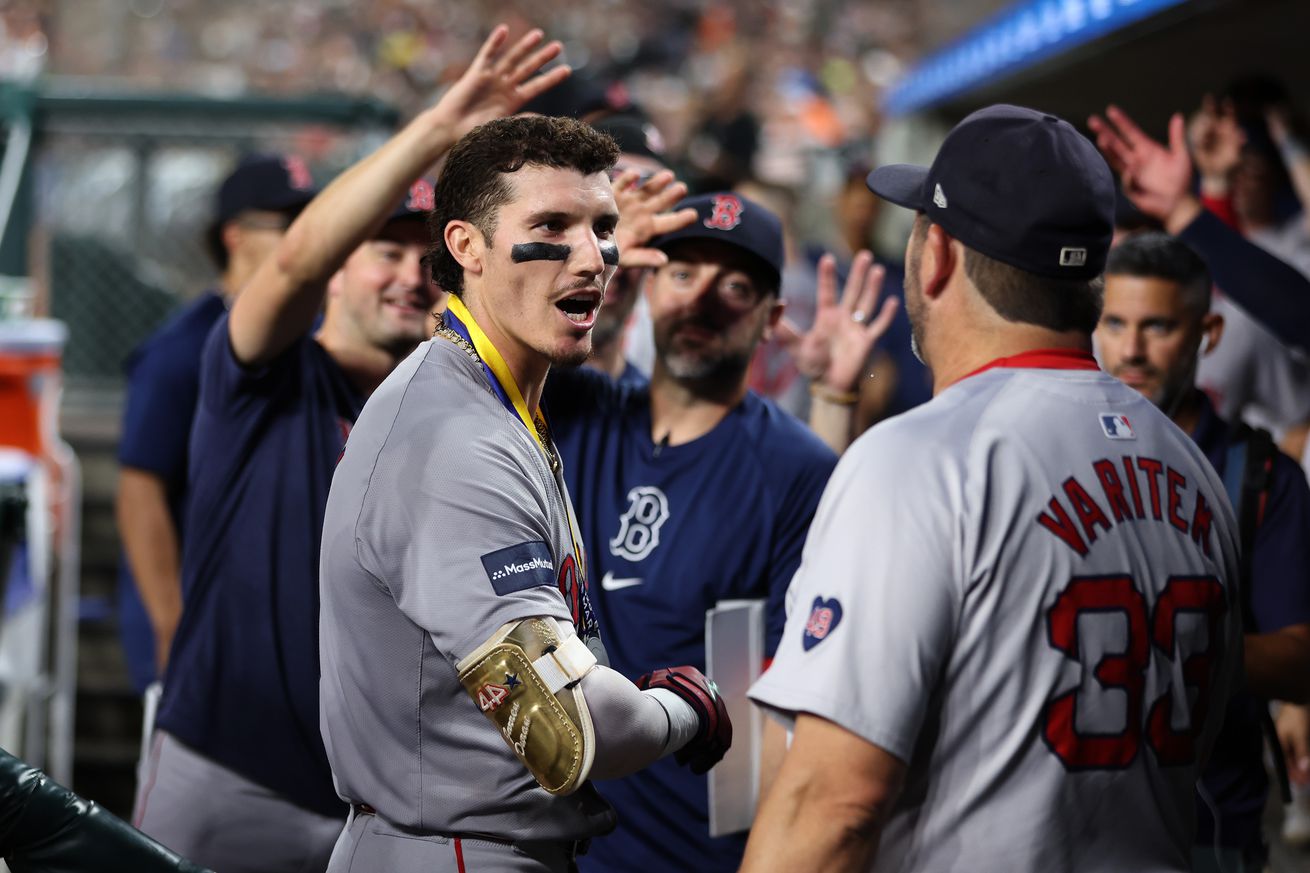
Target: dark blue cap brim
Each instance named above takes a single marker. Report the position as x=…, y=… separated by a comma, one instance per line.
x=901, y=184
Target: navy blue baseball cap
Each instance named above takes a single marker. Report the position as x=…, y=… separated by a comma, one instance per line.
x=263, y=182
x=580, y=96
x=634, y=135
x=1017, y=185
x=273, y=183
x=417, y=202
x=737, y=221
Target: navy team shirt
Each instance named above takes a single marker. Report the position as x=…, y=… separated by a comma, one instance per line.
x=669, y=532
x=242, y=681
x=1280, y=596
x=163, y=379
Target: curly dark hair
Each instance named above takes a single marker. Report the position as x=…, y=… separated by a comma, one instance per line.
x=473, y=185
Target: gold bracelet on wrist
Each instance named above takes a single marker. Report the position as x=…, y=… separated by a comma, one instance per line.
x=841, y=398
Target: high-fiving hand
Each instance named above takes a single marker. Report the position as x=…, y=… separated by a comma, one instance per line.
x=643, y=216
x=1155, y=177
x=835, y=351
x=501, y=80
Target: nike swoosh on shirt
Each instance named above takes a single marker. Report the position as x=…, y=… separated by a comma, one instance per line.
x=609, y=583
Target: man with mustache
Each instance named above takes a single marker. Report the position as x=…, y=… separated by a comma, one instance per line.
x=692, y=490
x=1155, y=326
x=467, y=704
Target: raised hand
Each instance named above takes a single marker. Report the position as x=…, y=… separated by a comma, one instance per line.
x=1155, y=177
x=500, y=80
x=1279, y=121
x=835, y=351
x=1293, y=725
x=643, y=216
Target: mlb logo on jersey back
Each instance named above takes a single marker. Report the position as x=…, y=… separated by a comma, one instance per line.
x=1117, y=427
x=825, y=615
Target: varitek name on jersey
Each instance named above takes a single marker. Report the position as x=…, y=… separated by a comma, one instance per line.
x=1130, y=489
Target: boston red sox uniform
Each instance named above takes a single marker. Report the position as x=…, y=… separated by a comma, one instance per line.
x=1040, y=622
x=458, y=527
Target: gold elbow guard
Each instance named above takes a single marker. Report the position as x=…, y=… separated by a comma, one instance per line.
x=525, y=679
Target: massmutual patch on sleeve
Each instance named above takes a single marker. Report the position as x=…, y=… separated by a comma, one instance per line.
x=518, y=568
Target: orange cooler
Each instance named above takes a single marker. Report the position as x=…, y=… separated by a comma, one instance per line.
x=30, y=353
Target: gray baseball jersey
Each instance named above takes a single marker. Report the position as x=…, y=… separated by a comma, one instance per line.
x=1251, y=375
x=1024, y=590
x=444, y=523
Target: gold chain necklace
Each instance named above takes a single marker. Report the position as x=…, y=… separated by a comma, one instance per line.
x=538, y=421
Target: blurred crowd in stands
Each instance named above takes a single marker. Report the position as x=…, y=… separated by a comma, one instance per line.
x=727, y=82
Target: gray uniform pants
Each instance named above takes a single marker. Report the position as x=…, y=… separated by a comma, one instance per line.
x=369, y=844
x=223, y=821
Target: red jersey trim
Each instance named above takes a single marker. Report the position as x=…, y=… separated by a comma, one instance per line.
x=1041, y=359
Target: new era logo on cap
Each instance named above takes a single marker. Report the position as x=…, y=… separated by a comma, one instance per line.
x=938, y=197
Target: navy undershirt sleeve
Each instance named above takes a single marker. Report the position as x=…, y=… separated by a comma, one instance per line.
x=1271, y=291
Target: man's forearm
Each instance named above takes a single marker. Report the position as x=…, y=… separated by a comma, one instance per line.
x=773, y=748
x=1278, y=664
x=151, y=543
x=633, y=728
x=802, y=827
x=356, y=203
x=832, y=416
x=286, y=293
x=828, y=804
x=1269, y=290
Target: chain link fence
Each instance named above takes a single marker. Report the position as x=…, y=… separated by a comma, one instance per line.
x=121, y=202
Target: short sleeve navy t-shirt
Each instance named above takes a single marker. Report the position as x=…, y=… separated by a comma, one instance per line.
x=242, y=682
x=669, y=532
x=163, y=379
x=1280, y=596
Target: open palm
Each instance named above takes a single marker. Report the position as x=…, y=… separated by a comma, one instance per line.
x=644, y=215
x=836, y=349
x=1155, y=176
x=500, y=80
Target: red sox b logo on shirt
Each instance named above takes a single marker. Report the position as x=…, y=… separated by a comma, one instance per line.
x=726, y=212
x=639, y=526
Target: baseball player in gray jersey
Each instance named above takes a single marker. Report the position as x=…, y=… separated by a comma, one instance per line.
x=1015, y=623
x=465, y=699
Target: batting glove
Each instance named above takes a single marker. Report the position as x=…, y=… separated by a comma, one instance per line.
x=714, y=738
